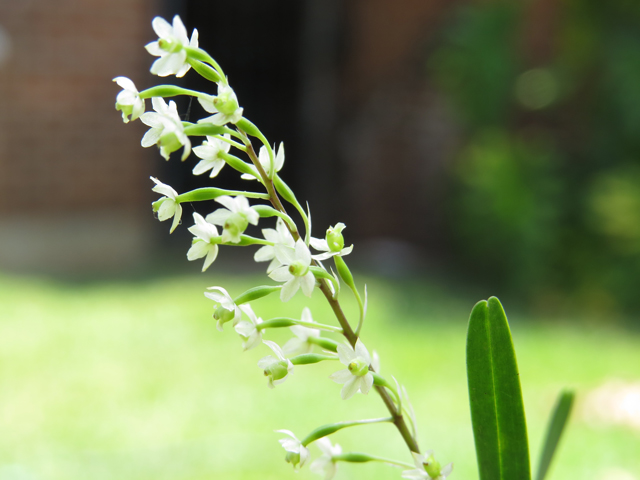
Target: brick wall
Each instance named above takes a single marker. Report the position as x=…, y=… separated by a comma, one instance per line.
x=74, y=187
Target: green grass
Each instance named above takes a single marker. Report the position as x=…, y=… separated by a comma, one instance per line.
x=131, y=381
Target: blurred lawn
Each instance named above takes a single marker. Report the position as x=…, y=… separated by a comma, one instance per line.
x=120, y=380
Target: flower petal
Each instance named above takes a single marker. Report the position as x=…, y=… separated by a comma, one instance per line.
x=289, y=289
x=341, y=376
x=350, y=388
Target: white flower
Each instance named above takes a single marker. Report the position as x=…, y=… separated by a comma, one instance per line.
x=325, y=465
x=225, y=310
x=427, y=468
x=297, y=454
x=294, y=270
x=166, y=129
x=224, y=106
x=169, y=206
x=275, y=368
x=278, y=236
x=300, y=343
x=202, y=245
x=247, y=330
x=357, y=375
x=209, y=152
x=235, y=218
x=170, y=47
x=332, y=245
x=128, y=100
x=265, y=161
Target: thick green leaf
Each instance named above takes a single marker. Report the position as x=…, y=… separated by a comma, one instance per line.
x=556, y=427
x=497, y=410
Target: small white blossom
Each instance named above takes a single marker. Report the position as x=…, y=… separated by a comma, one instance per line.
x=248, y=330
x=225, y=310
x=202, y=246
x=235, y=218
x=265, y=161
x=224, y=106
x=325, y=464
x=294, y=270
x=427, y=468
x=275, y=368
x=278, y=236
x=300, y=343
x=336, y=248
x=297, y=454
x=356, y=377
x=170, y=47
x=128, y=100
x=166, y=130
x=209, y=152
x=169, y=206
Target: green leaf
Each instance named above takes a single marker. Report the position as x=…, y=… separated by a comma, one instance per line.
x=556, y=427
x=497, y=410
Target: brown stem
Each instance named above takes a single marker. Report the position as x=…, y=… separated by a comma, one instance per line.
x=347, y=331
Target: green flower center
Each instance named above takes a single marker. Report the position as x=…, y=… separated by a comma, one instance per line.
x=298, y=269
x=226, y=104
x=432, y=467
x=170, y=45
x=358, y=367
x=223, y=315
x=235, y=224
x=277, y=370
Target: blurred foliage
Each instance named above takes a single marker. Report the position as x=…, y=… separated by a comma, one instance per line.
x=131, y=380
x=546, y=186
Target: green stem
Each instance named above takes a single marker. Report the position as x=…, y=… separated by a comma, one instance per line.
x=211, y=193
x=167, y=91
x=347, y=331
x=280, y=322
x=356, y=457
x=232, y=143
x=308, y=358
x=203, y=56
x=331, y=428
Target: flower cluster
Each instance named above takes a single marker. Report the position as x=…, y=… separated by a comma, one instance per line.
x=293, y=264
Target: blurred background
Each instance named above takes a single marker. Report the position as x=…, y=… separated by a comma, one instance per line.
x=473, y=148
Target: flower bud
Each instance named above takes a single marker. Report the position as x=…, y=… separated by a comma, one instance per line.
x=256, y=293
x=334, y=237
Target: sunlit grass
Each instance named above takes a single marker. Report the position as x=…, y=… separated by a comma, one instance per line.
x=131, y=380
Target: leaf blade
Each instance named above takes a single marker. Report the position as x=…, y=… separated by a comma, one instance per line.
x=497, y=409
x=557, y=423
